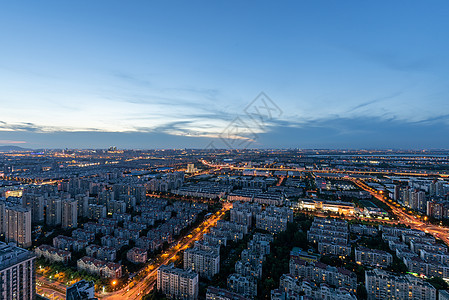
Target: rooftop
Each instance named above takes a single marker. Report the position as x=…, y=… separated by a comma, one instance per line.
x=10, y=255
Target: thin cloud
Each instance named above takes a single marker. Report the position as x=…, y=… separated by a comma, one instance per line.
x=374, y=101
x=12, y=142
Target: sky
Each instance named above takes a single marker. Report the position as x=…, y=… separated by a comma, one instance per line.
x=224, y=74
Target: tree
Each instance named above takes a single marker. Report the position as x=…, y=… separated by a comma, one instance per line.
x=438, y=283
x=361, y=292
x=154, y=295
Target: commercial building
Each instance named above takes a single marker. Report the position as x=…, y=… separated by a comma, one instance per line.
x=336, y=207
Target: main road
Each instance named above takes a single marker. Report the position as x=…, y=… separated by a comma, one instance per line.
x=405, y=217
x=135, y=290
x=334, y=171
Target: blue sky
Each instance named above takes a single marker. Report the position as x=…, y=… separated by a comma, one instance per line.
x=170, y=74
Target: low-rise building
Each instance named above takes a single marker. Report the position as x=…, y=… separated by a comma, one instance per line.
x=384, y=285
x=373, y=257
x=82, y=234
x=339, y=249
x=360, y=229
x=101, y=252
x=67, y=243
x=214, y=293
x=137, y=255
x=53, y=255
x=292, y=288
x=322, y=273
x=99, y=267
x=82, y=290
x=115, y=242
x=429, y=269
x=243, y=285
x=416, y=246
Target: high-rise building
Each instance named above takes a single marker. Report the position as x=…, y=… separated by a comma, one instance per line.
x=36, y=203
x=83, y=205
x=96, y=211
x=116, y=207
x=2, y=218
x=177, y=283
x=205, y=263
x=18, y=225
x=191, y=168
x=439, y=188
x=17, y=273
x=69, y=213
x=54, y=211
x=432, y=188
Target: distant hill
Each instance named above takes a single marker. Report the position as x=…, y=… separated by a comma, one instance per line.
x=12, y=148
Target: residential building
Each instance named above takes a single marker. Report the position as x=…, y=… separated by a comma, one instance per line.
x=137, y=255
x=243, y=285
x=54, y=211
x=17, y=273
x=101, y=252
x=53, y=254
x=82, y=290
x=339, y=249
x=96, y=211
x=373, y=257
x=381, y=285
x=99, y=267
x=214, y=293
x=322, y=273
x=177, y=283
x=69, y=213
x=205, y=263
x=18, y=225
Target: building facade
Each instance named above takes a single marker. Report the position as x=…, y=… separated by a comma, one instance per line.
x=17, y=273
x=177, y=283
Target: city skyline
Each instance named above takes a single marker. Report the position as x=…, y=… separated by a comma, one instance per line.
x=344, y=75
